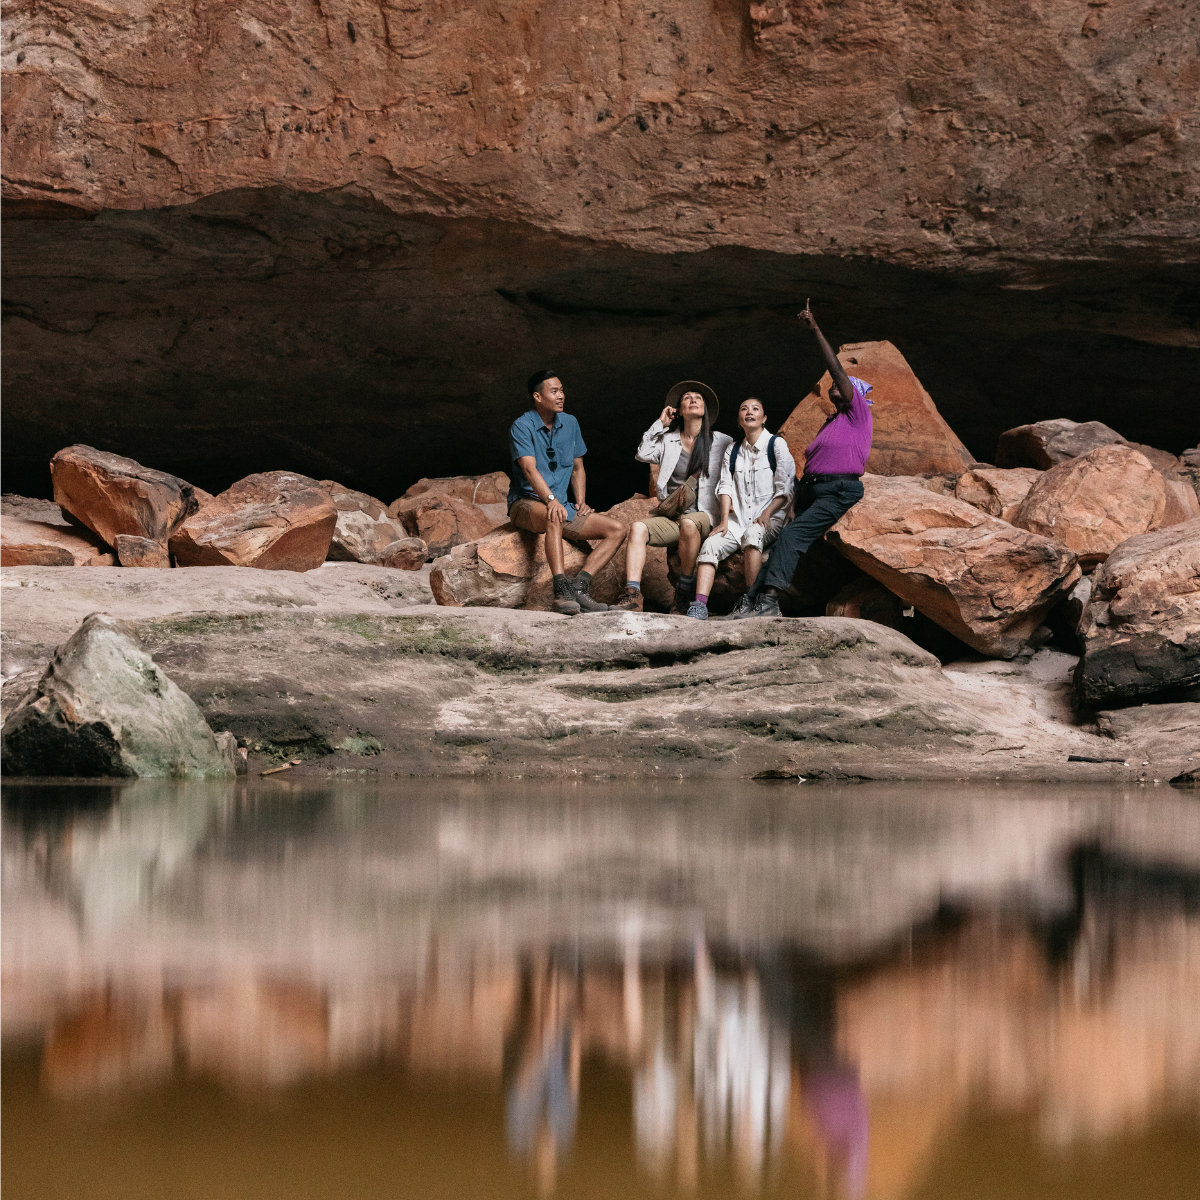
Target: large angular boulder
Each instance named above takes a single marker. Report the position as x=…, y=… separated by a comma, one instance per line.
x=113, y=495
x=1045, y=444
x=133, y=551
x=276, y=520
x=103, y=707
x=1141, y=625
x=442, y=521
x=1093, y=503
x=996, y=491
x=474, y=489
x=505, y=569
x=34, y=533
x=985, y=581
x=1182, y=502
x=910, y=435
x=367, y=533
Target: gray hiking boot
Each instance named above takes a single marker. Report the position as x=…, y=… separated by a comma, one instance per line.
x=585, y=602
x=698, y=610
x=743, y=608
x=767, y=606
x=746, y=607
x=564, y=598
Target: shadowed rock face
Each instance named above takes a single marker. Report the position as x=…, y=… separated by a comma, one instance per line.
x=343, y=254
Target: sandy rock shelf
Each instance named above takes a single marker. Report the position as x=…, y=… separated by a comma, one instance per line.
x=351, y=669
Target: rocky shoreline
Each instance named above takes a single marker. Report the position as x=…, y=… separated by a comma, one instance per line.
x=351, y=671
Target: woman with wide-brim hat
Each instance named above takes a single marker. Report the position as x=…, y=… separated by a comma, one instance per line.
x=684, y=446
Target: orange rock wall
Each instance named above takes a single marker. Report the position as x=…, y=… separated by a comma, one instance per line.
x=915, y=132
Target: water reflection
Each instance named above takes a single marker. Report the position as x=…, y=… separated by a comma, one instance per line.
x=804, y=991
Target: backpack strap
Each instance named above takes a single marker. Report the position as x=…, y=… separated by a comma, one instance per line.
x=771, y=451
x=733, y=458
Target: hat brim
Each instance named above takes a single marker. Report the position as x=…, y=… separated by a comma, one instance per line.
x=694, y=385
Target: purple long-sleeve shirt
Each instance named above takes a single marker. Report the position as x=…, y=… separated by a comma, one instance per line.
x=842, y=446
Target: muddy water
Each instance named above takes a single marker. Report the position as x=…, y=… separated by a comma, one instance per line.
x=449, y=990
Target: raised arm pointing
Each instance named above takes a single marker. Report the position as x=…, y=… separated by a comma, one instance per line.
x=844, y=392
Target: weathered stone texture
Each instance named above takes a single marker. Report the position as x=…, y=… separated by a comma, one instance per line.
x=367, y=533
x=113, y=495
x=441, y=520
x=34, y=533
x=1141, y=625
x=475, y=489
x=274, y=520
x=910, y=435
x=981, y=579
x=104, y=708
x=1093, y=503
x=995, y=491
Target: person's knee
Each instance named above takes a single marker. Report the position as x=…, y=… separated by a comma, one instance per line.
x=614, y=531
x=689, y=532
x=639, y=535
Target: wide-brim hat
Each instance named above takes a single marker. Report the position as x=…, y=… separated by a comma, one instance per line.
x=711, y=403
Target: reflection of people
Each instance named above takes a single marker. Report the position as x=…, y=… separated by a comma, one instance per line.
x=684, y=446
x=830, y=486
x=756, y=481
x=546, y=448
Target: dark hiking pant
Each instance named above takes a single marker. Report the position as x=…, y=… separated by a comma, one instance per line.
x=818, y=507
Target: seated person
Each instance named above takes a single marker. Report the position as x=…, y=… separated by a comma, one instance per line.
x=546, y=448
x=683, y=444
x=754, y=489
x=830, y=486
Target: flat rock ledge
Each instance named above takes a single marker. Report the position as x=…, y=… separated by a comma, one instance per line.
x=349, y=669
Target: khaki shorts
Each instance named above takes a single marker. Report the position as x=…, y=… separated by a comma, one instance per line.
x=665, y=532
x=530, y=515
x=717, y=549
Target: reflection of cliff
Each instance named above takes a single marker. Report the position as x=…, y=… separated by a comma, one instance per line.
x=260, y=961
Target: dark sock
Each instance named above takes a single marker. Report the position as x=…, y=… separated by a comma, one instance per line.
x=583, y=580
x=559, y=580
x=685, y=582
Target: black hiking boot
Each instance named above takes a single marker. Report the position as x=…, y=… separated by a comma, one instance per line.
x=585, y=602
x=564, y=598
x=743, y=608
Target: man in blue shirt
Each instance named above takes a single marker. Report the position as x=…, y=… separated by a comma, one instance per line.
x=546, y=448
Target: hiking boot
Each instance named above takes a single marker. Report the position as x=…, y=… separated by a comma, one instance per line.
x=630, y=601
x=564, y=599
x=743, y=608
x=698, y=610
x=746, y=606
x=767, y=606
x=585, y=602
x=683, y=598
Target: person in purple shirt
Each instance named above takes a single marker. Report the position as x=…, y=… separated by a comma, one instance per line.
x=831, y=484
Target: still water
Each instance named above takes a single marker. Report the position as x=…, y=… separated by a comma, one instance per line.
x=272, y=989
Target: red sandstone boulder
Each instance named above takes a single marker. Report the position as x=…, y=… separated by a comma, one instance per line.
x=1182, y=502
x=1141, y=624
x=34, y=533
x=1045, y=444
x=978, y=577
x=995, y=491
x=140, y=552
x=366, y=533
x=505, y=569
x=112, y=495
x=442, y=521
x=474, y=489
x=276, y=520
x=910, y=437
x=1093, y=503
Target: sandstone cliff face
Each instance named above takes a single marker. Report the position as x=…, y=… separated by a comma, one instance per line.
x=913, y=132
x=320, y=239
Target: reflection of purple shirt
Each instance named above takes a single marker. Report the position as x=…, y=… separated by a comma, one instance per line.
x=840, y=1113
x=842, y=446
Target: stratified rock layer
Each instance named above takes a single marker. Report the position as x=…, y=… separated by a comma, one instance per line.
x=1141, y=625
x=34, y=533
x=910, y=435
x=104, y=708
x=981, y=579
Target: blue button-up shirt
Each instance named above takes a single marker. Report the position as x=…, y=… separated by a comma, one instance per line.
x=554, y=450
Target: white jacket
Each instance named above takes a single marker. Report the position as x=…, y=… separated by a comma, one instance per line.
x=756, y=486
x=659, y=446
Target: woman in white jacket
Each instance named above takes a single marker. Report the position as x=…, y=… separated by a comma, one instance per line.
x=683, y=444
